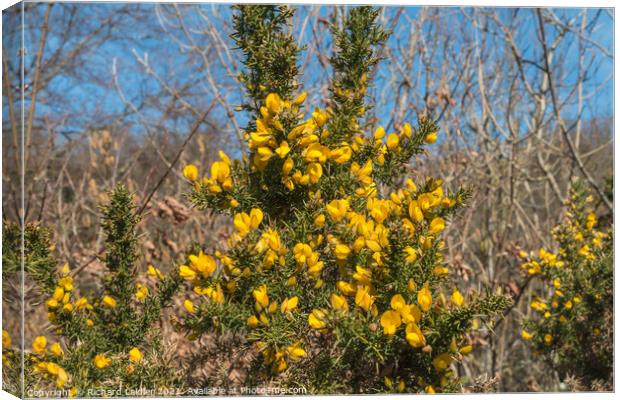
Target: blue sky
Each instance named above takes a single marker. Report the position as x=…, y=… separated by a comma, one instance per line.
x=88, y=100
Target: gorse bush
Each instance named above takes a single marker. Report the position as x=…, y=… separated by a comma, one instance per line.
x=334, y=274
x=108, y=340
x=572, y=322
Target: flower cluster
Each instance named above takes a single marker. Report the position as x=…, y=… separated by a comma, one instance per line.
x=49, y=369
x=321, y=258
x=572, y=312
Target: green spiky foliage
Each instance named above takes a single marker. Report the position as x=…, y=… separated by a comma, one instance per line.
x=357, y=40
x=571, y=326
x=270, y=53
x=39, y=265
x=108, y=339
x=119, y=223
x=331, y=281
x=11, y=366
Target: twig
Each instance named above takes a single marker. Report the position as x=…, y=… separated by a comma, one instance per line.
x=37, y=76
x=515, y=302
x=176, y=158
x=561, y=124
x=159, y=183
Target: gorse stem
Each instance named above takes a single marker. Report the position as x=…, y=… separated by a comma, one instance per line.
x=269, y=53
x=119, y=224
x=357, y=42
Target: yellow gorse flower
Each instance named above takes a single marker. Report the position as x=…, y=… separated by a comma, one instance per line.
x=82, y=303
x=425, y=298
x=457, y=298
x=409, y=313
x=379, y=133
x=411, y=253
x=302, y=252
x=295, y=353
x=466, y=349
x=346, y=288
x=289, y=304
x=431, y=138
x=316, y=153
x=101, y=361
x=442, y=361
x=187, y=273
x=220, y=175
x=66, y=282
x=526, y=335
x=261, y=297
x=339, y=303
x=337, y=209
x=341, y=252
x=39, y=344
x=538, y=305
x=415, y=211
x=215, y=293
x=54, y=370
x=437, y=225
x=109, y=301
x=252, y=321
x=300, y=99
x=363, y=299
x=6, y=339
x=154, y=272
x=202, y=264
x=190, y=172
x=591, y=221
x=61, y=377
x=141, y=291
x=315, y=171
x=341, y=154
x=397, y=302
x=245, y=223
x=56, y=350
x=319, y=221
x=189, y=306
x=390, y=321
x=414, y=336
x=273, y=103
x=362, y=275
x=393, y=141
x=135, y=355
x=362, y=173
x=59, y=294
x=316, y=319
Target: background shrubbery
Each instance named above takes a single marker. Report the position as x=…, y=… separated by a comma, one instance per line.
x=572, y=327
